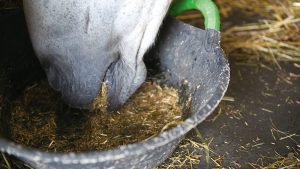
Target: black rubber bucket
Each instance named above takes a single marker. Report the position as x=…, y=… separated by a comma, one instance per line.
x=190, y=59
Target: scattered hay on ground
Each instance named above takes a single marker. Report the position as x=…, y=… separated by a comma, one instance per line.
x=191, y=152
x=291, y=161
x=271, y=32
x=4, y=161
x=185, y=156
x=264, y=29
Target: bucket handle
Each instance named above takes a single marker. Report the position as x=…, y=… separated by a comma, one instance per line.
x=207, y=7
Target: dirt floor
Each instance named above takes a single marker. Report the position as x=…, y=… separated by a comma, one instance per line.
x=260, y=120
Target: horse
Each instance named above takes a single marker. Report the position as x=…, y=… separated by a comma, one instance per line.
x=84, y=44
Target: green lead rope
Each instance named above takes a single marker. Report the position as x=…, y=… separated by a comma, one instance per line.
x=207, y=7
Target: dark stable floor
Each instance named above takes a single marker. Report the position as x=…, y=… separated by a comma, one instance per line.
x=262, y=120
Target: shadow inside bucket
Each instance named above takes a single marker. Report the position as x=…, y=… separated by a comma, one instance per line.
x=18, y=65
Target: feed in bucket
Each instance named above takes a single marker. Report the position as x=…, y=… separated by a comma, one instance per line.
x=40, y=120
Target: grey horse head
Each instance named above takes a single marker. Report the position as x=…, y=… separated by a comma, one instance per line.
x=83, y=43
